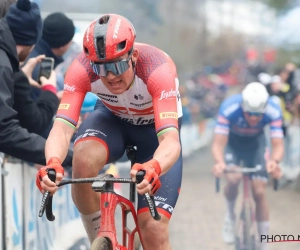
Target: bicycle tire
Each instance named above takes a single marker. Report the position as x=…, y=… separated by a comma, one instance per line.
x=101, y=243
x=254, y=245
x=248, y=239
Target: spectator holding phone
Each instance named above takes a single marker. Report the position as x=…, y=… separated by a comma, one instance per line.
x=35, y=116
x=19, y=32
x=57, y=35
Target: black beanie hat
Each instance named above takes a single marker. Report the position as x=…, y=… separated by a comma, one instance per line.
x=58, y=30
x=25, y=22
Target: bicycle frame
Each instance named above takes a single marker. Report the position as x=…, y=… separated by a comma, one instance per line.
x=247, y=218
x=247, y=195
x=247, y=215
x=108, y=204
x=246, y=187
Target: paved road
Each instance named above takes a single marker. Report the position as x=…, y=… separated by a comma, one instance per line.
x=199, y=213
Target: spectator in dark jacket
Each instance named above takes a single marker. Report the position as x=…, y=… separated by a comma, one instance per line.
x=19, y=32
x=34, y=116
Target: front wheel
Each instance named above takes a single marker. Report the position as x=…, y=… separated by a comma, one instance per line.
x=101, y=243
x=249, y=239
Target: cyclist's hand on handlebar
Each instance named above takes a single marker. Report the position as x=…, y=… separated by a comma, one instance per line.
x=273, y=169
x=151, y=182
x=218, y=169
x=42, y=180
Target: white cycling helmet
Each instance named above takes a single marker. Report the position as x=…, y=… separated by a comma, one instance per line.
x=254, y=97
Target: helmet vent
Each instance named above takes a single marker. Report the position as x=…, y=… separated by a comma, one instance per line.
x=101, y=47
x=104, y=20
x=121, y=46
x=86, y=51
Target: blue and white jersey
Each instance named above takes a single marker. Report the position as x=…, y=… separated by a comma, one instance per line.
x=231, y=119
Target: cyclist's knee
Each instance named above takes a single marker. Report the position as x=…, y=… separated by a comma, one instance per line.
x=150, y=228
x=89, y=158
x=234, y=179
x=258, y=190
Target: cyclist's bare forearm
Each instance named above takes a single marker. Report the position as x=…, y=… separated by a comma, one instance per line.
x=218, y=153
x=218, y=147
x=277, y=149
x=58, y=141
x=168, y=150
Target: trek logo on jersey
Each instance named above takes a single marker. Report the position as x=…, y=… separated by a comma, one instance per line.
x=69, y=88
x=167, y=94
x=65, y=106
x=116, y=31
x=139, y=121
x=167, y=115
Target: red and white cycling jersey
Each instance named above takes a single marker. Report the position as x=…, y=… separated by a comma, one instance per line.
x=152, y=97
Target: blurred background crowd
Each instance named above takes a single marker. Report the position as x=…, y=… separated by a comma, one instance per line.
x=218, y=46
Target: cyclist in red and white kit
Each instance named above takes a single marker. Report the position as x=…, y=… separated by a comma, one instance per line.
x=139, y=104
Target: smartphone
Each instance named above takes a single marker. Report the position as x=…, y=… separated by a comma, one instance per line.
x=46, y=66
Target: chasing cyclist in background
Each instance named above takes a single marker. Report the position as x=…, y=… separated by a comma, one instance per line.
x=140, y=106
x=239, y=136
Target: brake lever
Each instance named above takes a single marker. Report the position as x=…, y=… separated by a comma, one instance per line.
x=149, y=199
x=46, y=203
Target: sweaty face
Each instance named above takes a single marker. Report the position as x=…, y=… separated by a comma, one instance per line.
x=119, y=84
x=252, y=120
